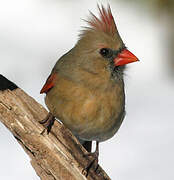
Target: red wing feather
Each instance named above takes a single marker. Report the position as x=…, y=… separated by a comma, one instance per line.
x=49, y=83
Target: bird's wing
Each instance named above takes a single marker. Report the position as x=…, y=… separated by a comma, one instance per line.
x=49, y=83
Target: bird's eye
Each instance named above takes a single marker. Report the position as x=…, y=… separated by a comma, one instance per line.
x=106, y=52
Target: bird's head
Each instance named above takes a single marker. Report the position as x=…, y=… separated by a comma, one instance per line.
x=101, y=40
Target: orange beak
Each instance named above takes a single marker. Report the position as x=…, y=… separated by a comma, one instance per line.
x=125, y=57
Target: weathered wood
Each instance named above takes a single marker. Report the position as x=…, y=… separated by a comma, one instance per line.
x=55, y=156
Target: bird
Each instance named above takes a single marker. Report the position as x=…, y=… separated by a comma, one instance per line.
x=85, y=89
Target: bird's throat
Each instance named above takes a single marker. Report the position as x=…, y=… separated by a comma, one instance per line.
x=116, y=72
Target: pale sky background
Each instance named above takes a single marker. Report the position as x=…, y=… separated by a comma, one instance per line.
x=35, y=33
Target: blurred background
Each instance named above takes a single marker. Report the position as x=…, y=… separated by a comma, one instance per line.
x=35, y=33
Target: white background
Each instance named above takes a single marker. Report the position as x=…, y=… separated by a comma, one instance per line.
x=35, y=33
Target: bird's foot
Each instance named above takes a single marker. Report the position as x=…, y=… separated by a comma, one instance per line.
x=93, y=163
x=49, y=120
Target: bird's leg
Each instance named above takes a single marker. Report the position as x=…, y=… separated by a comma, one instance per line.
x=49, y=120
x=95, y=154
x=87, y=145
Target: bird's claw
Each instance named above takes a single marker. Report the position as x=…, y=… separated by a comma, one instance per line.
x=93, y=163
x=50, y=121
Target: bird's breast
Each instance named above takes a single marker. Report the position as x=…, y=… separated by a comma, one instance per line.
x=91, y=114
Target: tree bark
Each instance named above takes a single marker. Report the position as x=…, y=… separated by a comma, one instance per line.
x=54, y=156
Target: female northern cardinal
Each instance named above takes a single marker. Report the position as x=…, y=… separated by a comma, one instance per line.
x=85, y=89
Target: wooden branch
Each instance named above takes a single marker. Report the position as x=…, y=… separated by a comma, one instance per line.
x=57, y=156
